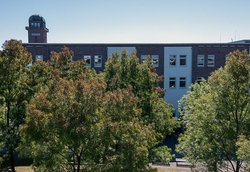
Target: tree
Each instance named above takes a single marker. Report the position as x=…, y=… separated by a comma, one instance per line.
x=14, y=94
x=74, y=123
x=161, y=155
x=215, y=113
x=60, y=131
x=126, y=71
x=125, y=138
x=244, y=150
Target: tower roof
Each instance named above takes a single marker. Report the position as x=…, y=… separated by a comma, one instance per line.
x=36, y=18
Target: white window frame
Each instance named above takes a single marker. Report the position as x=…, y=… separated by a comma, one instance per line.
x=200, y=57
x=39, y=57
x=183, y=57
x=155, y=60
x=211, y=60
x=172, y=59
x=172, y=79
x=143, y=58
x=85, y=58
x=97, y=63
x=199, y=79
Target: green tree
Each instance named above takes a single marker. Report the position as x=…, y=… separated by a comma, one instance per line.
x=62, y=124
x=125, y=138
x=14, y=94
x=125, y=71
x=215, y=113
x=161, y=155
x=244, y=150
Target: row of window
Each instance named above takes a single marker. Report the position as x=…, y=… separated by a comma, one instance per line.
x=155, y=59
x=182, y=82
x=87, y=58
x=201, y=60
x=35, y=24
x=173, y=60
x=97, y=60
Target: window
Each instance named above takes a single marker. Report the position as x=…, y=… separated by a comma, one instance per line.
x=200, y=60
x=183, y=60
x=226, y=57
x=143, y=58
x=210, y=60
x=199, y=79
x=98, y=61
x=35, y=34
x=29, y=65
x=39, y=57
x=172, y=82
x=87, y=59
x=155, y=60
x=172, y=60
x=182, y=82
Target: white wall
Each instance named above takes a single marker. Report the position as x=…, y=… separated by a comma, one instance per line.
x=177, y=71
x=111, y=50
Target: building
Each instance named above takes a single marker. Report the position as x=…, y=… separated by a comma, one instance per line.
x=180, y=64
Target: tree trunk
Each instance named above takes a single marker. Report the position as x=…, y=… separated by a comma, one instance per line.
x=78, y=163
x=12, y=161
x=237, y=166
x=10, y=148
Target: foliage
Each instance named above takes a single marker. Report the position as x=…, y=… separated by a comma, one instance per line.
x=62, y=118
x=215, y=113
x=75, y=122
x=13, y=94
x=161, y=155
x=244, y=150
x=62, y=123
x=125, y=138
x=127, y=72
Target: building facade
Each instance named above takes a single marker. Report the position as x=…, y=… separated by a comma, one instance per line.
x=180, y=64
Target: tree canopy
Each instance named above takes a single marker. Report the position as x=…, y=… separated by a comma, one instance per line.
x=14, y=94
x=215, y=113
x=122, y=72
x=78, y=119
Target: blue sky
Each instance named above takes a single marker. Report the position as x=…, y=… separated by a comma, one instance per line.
x=124, y=21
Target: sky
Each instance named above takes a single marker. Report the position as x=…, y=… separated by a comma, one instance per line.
x=129, y=21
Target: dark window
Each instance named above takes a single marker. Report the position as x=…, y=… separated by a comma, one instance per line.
x=88, y=61
x=172, y=82
x=182, y=82
x=183, y=60
x=199, y=79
